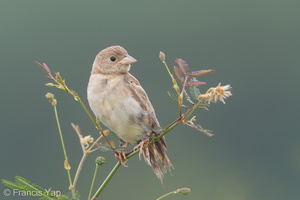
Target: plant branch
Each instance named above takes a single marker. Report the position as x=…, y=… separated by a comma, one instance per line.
x=106, y=181
x=60, y=84
x=163, y=196
x=84, y=156
x=117, y=166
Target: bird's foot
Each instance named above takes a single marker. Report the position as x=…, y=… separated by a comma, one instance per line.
x=121, y=156
x=141, y=146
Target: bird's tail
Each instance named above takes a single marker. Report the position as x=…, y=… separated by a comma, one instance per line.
x=156, y=156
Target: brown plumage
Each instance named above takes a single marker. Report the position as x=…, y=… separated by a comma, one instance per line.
x=121, y=104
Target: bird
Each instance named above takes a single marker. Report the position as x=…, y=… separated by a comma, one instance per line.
x=118, y=101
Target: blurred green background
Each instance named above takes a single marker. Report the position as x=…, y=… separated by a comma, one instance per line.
x=252, y=45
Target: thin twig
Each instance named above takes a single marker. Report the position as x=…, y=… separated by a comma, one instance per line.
x=66, y=162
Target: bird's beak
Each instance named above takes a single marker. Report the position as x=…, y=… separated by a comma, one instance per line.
x=127, y=60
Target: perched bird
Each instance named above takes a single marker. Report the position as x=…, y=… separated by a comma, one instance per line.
x=121, y=104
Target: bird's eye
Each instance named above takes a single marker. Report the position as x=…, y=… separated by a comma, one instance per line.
x=113, y=58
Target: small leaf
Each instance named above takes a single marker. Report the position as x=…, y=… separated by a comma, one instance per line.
x=188, y=98
x=172, y=96
x=47, y=68
x=119, y=149
x=202, y=106
x=157, y=130
x=104, y=148
x=59, y=78
x=201, y=72
x=195, y=92
x=196, y=83
x=27, y=184
x=183, y=66
x=13, y=185
x=50, y=77
x=178, y=73
x=43, y=66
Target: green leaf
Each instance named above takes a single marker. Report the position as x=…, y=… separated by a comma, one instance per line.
x=104, y=147
x=157, y=130
x=188, y=98
x=12, y=185
x=119, y=149
x=173, y=96
x=194, y=91
x=25, y=186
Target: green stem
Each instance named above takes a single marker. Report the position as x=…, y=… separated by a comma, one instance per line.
x=175, y=85
x=62, y=144
x=190, y=112
x=163, y=196
x=93, y=181
x=117, y=166
x=171, y=75
x=106, y=181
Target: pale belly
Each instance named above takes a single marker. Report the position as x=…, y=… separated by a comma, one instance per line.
x=117, y=110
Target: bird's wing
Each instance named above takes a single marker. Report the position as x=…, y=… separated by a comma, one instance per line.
x=139, y=94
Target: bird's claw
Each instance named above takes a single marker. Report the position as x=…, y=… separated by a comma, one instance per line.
x=141, y=146
x=121, y=156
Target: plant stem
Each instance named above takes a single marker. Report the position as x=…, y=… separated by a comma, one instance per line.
x=175, y=85
x=62, y=144
x=106, y=181
x=190, y=111
x=171, y=75
x=85, y=154
x=93, y=181
x=117, y=166
x=163, y=196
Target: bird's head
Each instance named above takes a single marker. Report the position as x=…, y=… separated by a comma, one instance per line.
x=113, y=60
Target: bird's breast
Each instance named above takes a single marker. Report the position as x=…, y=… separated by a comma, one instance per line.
x=115, y=107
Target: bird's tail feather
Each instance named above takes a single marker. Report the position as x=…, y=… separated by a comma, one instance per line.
x=156, y=156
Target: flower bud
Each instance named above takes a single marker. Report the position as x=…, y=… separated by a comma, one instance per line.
x=51, y=99
x=86, y=140
x=100, y=160
x=162, y=56
x=184, y=191
x=49, y=84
